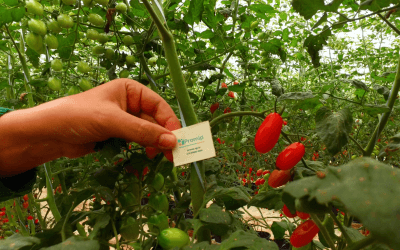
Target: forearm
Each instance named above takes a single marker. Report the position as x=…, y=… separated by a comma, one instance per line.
x=24, y=142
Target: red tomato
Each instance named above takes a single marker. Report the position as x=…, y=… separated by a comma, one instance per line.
x=214, y=107
x=227, y=110
x=290, y=156
x=224, y=86
x=235, y=83
x=258, y=181
x=30, y=217
x=262, y=181
x=266, y=172
x=2, y=214
x=302, y=215
x=285, y=123
x=259, y=172
x=231, y=94
x=25, y=204
x=26, y=197
x=279, y=178
x=287, y=212
x=304, y=234
x=268, y=133
x=36, y=221
x=5, y=220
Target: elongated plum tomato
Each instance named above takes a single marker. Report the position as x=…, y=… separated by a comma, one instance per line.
x=290, y=156
x=287, y=212
x=268, y=133
x=279, y=178
x=304, y=234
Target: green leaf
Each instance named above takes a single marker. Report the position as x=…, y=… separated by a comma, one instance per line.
x=373, y=110
x=200, y=246
x=262, y=9
x=277, y=230
x=33, y=57
x=244, y=240
x=102, y=221
x=75, y=242
x=207, y=34
x=296, y=96
x=308, y=104
x=375, y=5
x=333, y=128
x=11, y=3
x=307, y=8
x=233, y=197
x=237, y=88
x=110, y=147
x=209, y=15
x=271, y=199
x=195, y=12
x=216, y=220
x=6, y=16
x=4, y=84
x=315, y=44
x=65, y=45
x=392, y=148
x=373, y=186
x=17, y=241
x=323, y=19
x=17, y=14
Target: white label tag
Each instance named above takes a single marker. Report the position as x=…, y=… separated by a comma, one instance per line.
x=194, y=144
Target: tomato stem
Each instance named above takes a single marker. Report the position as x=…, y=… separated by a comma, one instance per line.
x=21, y=217
x=344, y=233
x=218, y=119
x=33, y=203
x=323, y=230
x=361, y=244
x=50, y=197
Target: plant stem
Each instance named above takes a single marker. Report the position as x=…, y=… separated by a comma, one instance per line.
x=24, y=68
x=115, y=234
x=389, y=24
x=344, y=233
x=24, y=231
x=63, y=235
x=358, y=144
x=323, y=230
x=33, y=203
x=361, y=244
x=234, y=114
x=50, y=196
x=382, y=122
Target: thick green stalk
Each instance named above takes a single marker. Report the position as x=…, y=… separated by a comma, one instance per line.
x=385, y=117
x=185, y=103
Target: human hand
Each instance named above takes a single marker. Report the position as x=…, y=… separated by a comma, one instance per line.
x=121, y=108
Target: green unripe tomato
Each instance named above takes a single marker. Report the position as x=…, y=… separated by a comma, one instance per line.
x=34, y=41
x=373, y=155
x=124, y=74
x=53, y=26
x=92, y=34
x=56, y=65
x=37, y=27
x=237, y=145
x=68, y=2
x=88, y=3
x=102, y=38
x=102, y=2
x=54, y=83
x=34, y=7
x=121, y=7
x=83, y=67
x=353, y=157
x=98, y=50
x=158, y=222
x=127, y=40
x=264, y=60
x=376, y=147
x=254, y=25
x=65, y=21
x=262, y=35
x=95, y=19
x=152, y=61
x=85, y=84
x=173, y=237
x=130, y=60
x=74, y=90
x=376, y=152
x=51, y=41
x=109, y=54
x=158, y=182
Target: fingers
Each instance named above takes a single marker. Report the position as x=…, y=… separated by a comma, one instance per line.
x=144, y=101
x=138, y=130
x=152, y=152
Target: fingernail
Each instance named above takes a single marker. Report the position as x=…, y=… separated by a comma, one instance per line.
x=167, y=141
